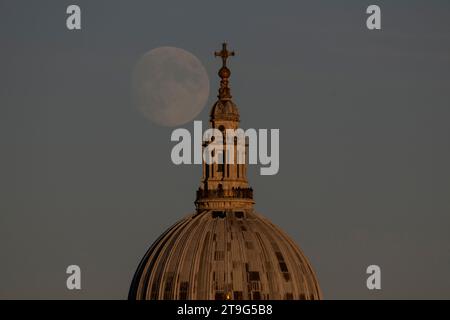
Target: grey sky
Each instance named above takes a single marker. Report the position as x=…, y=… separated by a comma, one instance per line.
x=364, y=126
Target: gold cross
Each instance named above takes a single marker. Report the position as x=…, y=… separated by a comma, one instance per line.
x=224, y=54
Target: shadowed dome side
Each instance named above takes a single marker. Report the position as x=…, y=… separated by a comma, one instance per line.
x=224, y=110
x=222, y=255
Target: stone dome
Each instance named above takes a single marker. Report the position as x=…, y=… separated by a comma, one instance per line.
x=232, y=254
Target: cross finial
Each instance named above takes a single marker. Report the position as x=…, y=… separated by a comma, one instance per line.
x=224, y=54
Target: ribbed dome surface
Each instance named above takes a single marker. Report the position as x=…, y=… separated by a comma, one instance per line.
x=224, y=255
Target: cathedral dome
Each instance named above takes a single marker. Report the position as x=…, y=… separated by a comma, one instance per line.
x=224, y=255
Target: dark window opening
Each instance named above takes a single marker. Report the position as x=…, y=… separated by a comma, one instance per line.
x=239, y=214
x=279, y=256
x=219, y=295
x=184, y=286
x=283, y=267
x=253, y=276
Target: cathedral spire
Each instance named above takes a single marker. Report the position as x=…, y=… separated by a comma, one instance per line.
x=224, y=184
x=224, y=73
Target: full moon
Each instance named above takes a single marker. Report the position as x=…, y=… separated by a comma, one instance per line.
x=169, y=86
